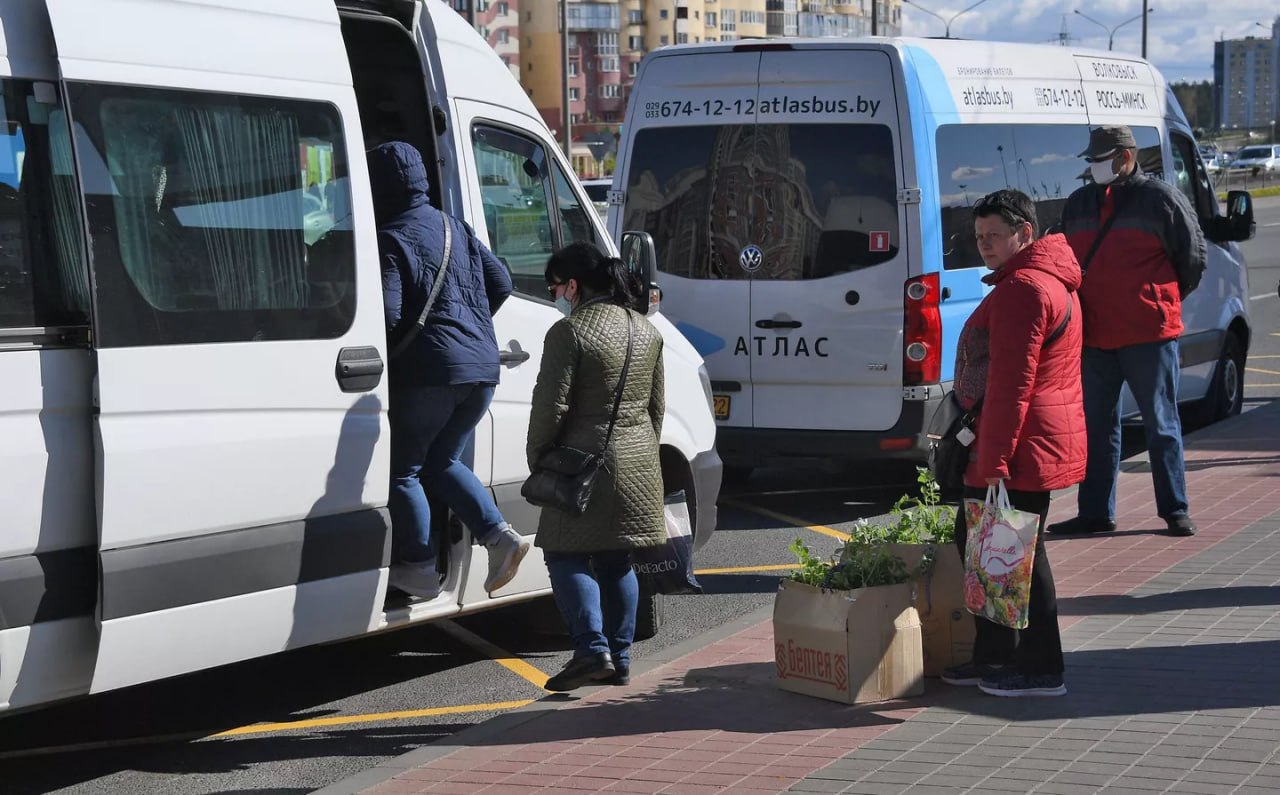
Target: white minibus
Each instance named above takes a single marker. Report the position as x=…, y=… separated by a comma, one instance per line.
x=193, y=409
x=810, y=201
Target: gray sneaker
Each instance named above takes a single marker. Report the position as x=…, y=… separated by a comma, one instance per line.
x=416, y=579
x=506, y=549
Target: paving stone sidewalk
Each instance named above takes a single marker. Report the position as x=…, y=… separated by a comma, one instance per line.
x=1173, y=647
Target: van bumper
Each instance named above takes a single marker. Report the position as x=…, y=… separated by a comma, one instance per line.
x=761, y=447
x=708, y=472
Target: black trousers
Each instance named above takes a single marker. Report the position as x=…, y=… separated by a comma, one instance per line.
x=1037, y=649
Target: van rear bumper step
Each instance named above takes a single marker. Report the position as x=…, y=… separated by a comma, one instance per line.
x=757, y=447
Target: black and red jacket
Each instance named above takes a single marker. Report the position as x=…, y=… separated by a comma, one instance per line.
x=1150, y=259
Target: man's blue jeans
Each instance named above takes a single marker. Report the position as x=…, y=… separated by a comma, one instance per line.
x=598, y=595
x=1151, y=370
x=430, y=429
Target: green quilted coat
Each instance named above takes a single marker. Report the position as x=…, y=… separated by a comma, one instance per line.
x=581, y=363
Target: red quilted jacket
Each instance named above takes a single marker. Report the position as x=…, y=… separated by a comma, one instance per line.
x=1031, y=425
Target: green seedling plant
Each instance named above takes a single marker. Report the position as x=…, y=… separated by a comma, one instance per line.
x=854, y=565
x=920, y=519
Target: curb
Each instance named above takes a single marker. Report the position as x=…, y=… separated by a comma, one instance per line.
x=480, y=733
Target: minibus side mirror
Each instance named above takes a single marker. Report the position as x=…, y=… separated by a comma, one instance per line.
x=1238, y=224
x=641, y=257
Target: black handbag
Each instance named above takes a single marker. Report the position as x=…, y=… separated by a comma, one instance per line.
x=564, y=476
x=950, y=430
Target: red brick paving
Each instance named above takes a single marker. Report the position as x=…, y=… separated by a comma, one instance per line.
x=713, y=721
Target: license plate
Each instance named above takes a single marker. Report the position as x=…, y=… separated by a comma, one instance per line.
x=721, y=406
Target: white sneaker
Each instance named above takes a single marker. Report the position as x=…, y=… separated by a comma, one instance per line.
x=415, y=579
x=506, y=550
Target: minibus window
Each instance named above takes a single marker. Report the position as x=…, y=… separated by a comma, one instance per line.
x=1041, y=160
x=818, y=200
x=43, y=281
x=514, y=191
x=221, y=218
x=574, y=222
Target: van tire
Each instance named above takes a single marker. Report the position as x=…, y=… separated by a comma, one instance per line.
x=649, y=613
x=1226, y=393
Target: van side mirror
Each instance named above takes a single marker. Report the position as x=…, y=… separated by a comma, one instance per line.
x=641, y=257
x=1238, y=223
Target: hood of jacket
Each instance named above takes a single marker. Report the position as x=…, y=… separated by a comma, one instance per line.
x=398, y=179
x=1050, y=254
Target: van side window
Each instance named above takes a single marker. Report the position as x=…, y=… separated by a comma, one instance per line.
x=818, y=200
x=516, y=191
x=1041, y=160
x=217, y=218
x=43, y=280
x=1190, y=176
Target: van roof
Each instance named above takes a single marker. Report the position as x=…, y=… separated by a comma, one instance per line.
x=988, y=79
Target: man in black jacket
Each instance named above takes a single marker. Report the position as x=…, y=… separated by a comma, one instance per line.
x=443, y=369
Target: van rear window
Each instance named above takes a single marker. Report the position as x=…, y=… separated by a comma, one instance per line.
x=816, y=199
x=1041, y=160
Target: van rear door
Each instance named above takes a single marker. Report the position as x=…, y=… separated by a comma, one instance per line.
x=827, y=299
x=688, y=180
x=239, y=424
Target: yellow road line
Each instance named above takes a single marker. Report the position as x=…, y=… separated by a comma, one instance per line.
x=1260, y=370
x=498, y=654
x=346, y=720
x=749, y=569
x=791, y=520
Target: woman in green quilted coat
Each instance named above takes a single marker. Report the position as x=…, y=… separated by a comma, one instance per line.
x=588, y=556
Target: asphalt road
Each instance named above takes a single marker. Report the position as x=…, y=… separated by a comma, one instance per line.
x=363, y=701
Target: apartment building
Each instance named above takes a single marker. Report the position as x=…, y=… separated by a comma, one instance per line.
x=1246, y=81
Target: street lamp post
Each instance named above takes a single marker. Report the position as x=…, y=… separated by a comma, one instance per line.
x=946, y=22
x=1145, y=12
x=1111, y=32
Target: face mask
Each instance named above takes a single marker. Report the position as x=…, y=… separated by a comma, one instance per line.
x=1102, y=173
x=564, y=305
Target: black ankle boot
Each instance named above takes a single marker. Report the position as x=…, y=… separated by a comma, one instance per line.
x=581, y=671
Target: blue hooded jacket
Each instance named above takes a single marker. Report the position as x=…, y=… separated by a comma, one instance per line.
x=457, y=345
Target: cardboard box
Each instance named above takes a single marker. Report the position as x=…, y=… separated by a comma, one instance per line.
x=946, y=626
x=848, y=646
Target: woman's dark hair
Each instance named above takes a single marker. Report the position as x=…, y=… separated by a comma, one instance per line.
x=1014, y=206
x=598, y=274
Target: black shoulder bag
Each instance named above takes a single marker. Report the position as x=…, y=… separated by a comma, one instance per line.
x=564, y=476
x=421, y=323
x=951, y=429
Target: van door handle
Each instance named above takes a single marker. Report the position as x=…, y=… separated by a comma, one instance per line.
x=512, y=358
x=778, y=324
x=358, y=369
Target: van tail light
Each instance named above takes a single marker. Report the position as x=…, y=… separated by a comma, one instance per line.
x=922, y=332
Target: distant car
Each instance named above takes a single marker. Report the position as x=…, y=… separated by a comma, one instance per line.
x=598, y=193
x=1265, y=157
x=1213, y=159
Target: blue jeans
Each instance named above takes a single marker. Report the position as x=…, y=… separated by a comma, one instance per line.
x=431, y=426
x=1151, y=370
x=598, y=595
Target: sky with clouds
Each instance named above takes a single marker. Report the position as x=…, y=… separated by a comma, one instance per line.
x=1180, y=33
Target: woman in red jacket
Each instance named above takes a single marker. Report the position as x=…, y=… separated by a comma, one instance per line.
x=1019, y=353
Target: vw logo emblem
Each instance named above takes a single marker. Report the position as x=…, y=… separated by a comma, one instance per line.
x=751, y=258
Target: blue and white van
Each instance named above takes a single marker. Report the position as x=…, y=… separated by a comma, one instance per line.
x=810, y=204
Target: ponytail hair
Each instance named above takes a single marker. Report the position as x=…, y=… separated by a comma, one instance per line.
x=597, y=273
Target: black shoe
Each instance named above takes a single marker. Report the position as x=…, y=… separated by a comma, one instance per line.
x=1180, y=525
x=970, y=674
x=580, y=671
x=621, y=676
x=1081, y=525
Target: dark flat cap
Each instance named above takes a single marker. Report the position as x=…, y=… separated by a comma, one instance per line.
x=1105, y=141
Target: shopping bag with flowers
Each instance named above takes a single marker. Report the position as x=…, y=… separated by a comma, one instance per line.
x=999, y=550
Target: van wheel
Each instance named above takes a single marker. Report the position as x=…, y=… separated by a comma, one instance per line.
x=1226, y=393
x=650, y=612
